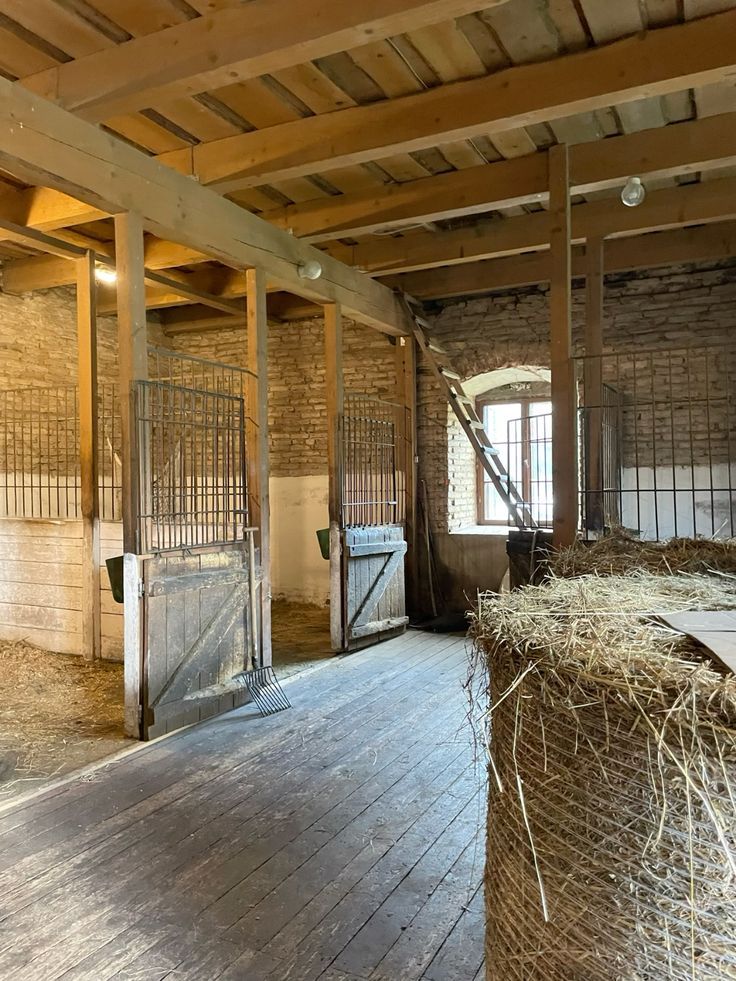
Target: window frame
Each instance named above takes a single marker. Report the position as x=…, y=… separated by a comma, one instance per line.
x=525, y=401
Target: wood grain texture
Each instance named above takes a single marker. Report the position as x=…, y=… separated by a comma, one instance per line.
x=338, y=847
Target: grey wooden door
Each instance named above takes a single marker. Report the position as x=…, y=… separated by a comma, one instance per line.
x=196, y=630
x=374, y=605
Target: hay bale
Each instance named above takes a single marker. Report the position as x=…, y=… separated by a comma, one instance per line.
x=611, y=847
x=618, y=553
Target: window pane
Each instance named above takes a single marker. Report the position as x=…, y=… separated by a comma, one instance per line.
x=540, y=461
x=496, y=419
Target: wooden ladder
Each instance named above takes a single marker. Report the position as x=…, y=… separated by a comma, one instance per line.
x=464, y=408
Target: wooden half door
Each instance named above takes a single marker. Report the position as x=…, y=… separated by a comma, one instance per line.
x=374, y=604
x=196, y=610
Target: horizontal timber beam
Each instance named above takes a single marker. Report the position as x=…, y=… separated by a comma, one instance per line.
x=197, y=319
x=43, y=144
x=668, y=151
x=684, y=245
x=654, y=63
x=229, y=46
x=669, y=208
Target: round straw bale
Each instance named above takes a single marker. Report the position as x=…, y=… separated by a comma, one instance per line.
x=611, y=852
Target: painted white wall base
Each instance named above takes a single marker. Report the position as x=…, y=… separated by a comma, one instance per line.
x=298, y=509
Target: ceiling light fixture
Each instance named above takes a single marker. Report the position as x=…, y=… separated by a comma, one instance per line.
x=311, y=269
x=106, y=275
x=633, y=192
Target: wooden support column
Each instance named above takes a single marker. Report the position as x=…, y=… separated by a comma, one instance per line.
x=564, y=407
x=406, y=388
x=88, y=456
x=259, y=507
x=132, y=367
x=593, y=380
x=335, y=405
x=132, y=359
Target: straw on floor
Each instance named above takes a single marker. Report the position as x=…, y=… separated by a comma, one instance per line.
x=612, y=815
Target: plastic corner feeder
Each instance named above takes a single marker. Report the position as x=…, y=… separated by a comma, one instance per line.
x=323, y=537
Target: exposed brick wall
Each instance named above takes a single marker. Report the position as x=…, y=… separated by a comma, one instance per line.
x=296, y=382
x=684, y=307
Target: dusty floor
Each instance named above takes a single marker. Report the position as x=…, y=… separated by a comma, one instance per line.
x=301, y=636
x=57, y=714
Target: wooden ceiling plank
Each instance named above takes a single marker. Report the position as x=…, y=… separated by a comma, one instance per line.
x=526, y=30
x=18, y=57
x=62, y=28
x=448, y=51
x=43, y=144
x=46, y=210
x=143, y=18
x=610, y=21
x=313, y=88
x=709, y=242
x=386, y=68
x=233, y=44
x=666, y=60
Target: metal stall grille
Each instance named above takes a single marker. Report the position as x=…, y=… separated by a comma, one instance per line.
x=109, y=453
x=39, y=453
x=373, y=461
x=196, y=374
x=672, y=468
x=529, y=451
x=192, y=454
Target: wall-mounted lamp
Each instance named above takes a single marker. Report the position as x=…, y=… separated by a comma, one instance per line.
x=311, y=269
x=106, y=275
x=633, y=192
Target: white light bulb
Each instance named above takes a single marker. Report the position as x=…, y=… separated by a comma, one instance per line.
x=633, y=192
x=106, y=275
x=312, y=269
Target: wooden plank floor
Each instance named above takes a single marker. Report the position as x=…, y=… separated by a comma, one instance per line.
x=341, y=840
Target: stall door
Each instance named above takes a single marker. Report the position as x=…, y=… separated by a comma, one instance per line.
x=196, y=628
x=196, y=566
x=372, y=537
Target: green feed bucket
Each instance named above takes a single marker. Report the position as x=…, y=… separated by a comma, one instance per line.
x=323, y=537
x=115, y=572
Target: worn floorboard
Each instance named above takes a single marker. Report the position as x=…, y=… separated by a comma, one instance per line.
x=340, y=841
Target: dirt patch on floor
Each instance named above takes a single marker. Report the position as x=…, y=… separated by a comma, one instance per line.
x=57, y=713
x=300, y=636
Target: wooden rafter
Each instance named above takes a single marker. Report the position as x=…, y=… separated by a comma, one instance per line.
x=668, y=208
x=230, y=45
x=700, y=145
x=43, y=144
x=700, y=244
x=656, y=62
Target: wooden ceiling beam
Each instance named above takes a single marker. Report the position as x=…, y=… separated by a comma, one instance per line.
x=657, y=62
x=703, y=144
x=196, y=319
x=229, y=46
x=43, y=144
x=676, y=207
x=707, y=242
x=46, y=209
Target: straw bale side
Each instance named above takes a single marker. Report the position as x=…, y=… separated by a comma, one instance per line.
x=611, y=849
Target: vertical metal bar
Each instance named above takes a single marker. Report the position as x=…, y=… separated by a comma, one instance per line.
x=710, y=444
x=672, y=443
x=654, y=444
x=692, y=448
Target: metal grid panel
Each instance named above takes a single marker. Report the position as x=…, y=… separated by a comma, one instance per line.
x=192, y=467
x=676, y=424
x=39, y=453
x=373, y=462
x=109, y=453
x=529, y=443
x=200, y=374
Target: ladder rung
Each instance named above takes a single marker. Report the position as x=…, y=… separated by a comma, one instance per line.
x=475, y=424
x=491, y=450
x=465, y=399
x=449, y=373
x=434, y=346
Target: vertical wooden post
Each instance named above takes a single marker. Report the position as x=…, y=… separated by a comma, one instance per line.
x=564, y=408
x=335, y=404
x=259, y=507
x=88, y=456
x=406, y=387
x=593, y=381
x=132, y=359
x=132, y=365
